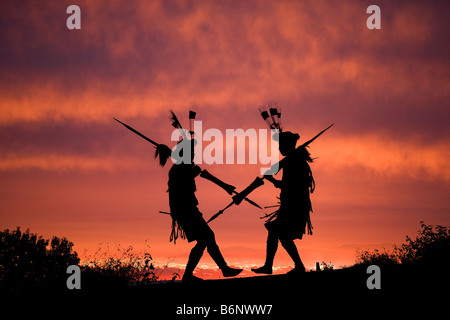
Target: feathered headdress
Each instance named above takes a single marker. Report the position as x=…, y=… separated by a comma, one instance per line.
x=272, y=115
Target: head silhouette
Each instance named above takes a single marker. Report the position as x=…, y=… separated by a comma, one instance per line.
x=286, y=141
x=184, y=152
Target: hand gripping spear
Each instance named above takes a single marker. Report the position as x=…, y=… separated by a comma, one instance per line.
x=259, y=181
x=164, y=153
x=255, y=184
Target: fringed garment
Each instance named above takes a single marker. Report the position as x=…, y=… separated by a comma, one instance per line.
x=292, y=219
x=187, y=220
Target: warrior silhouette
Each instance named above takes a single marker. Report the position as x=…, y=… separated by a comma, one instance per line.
x=292, y=219
x=186, y=216
x=187, y=220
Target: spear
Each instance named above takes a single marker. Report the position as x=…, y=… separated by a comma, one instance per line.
x=315, y=137
x=219, y=213
x=137, y=132
x=162, y=150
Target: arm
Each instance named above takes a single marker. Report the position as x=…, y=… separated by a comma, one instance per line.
x=208, y=176
x=197, y=170
x=274, y=169
x=277, y=183
x=237, y=199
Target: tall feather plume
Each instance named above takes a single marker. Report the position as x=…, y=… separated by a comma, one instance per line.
x=272, y=116
x=265, y=116
x=176, y=124
x=279, y=118
x=275, y=114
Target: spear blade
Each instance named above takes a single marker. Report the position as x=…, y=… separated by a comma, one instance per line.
x=220, y=212
x=252, y=203
x=214, y=216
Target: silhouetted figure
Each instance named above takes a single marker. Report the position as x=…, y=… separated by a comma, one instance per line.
x=183, y=208
x=292, y=219
x=187, y=220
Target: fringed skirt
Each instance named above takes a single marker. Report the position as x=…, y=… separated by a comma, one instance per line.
x=190, y=225
x=290, y=222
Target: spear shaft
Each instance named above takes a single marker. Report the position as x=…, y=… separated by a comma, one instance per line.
x=315, y=137
x=137, y=132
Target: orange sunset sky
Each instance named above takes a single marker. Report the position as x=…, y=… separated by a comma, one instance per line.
x=67, y=169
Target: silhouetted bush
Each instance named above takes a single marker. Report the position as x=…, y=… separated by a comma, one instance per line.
x=431, y=246
x=28, y=260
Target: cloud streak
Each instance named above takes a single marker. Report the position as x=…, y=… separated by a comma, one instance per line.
x=107, y=146
x=146, y=57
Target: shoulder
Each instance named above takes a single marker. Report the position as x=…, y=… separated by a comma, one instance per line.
x=196, y=169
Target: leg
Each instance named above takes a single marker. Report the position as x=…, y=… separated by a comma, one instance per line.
x=216, y=255
x=214, y=252
x=291, y=249
x=194, y=258
x=271, y=250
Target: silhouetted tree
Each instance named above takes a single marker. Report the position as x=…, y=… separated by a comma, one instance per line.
x=432, y=245
x=28, y=260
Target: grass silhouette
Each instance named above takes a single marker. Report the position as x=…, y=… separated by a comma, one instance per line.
x=119, y=266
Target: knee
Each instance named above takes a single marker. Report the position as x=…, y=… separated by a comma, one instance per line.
x=210, y=236
x=273, y=236
x=200, y=246
x=210, y=240
x=206, y=238
x=287, y=242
